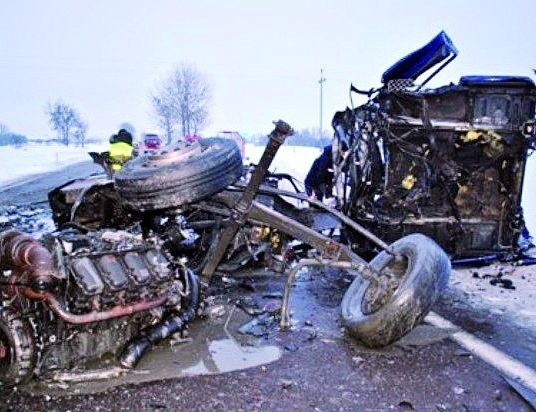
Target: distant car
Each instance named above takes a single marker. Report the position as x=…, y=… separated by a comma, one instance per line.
x=151, y=142
x=190, y=138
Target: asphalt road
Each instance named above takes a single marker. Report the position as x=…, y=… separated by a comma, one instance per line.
x=321, y=368
x=35, y=189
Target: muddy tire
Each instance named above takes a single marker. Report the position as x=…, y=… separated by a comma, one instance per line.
x=176, y=176
x=422, y=275
x=18, y=351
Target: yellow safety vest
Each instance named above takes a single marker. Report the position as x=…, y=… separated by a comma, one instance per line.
x=120, y=152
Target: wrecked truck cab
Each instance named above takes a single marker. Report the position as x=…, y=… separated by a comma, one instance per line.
x=447, y=162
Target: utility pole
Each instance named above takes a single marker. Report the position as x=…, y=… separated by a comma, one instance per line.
x=321, y=82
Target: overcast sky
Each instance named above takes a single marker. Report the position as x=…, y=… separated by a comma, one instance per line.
x=262, y=58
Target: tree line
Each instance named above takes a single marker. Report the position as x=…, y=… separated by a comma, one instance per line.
x=8, y=138
x=180, y=103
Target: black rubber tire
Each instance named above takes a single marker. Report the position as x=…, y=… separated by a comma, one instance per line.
x=153, y=182
x=21, y=356
x=425, y=277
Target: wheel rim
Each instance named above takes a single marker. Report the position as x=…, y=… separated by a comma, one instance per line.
x=378, y=294
x=172, y=153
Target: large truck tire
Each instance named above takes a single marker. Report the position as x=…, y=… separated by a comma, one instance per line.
x=422, y=274
x=178, y=175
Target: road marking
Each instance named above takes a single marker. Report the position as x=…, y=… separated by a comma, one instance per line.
x=488, y=353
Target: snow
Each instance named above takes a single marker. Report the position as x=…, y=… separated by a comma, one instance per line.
x=294, y=160
x=19, y=163
x=517, y=304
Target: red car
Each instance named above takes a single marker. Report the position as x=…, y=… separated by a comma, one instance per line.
x=151, y=142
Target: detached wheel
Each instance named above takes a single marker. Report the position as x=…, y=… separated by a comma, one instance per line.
x=180, y=174
x=380, y=316
x=18, y=352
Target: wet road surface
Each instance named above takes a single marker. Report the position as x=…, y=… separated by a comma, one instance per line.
x=34, y=190
x=315, y=366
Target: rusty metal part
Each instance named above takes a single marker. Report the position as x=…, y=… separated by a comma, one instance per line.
x=89, y=375
x=343, y=218
x=241, y=208
x=22, y=253
x=114, y=312
x=323, y=244
x=262, y=214
x=285, y=318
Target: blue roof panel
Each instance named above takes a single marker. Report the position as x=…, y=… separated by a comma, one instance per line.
x=416, y=63
x=515, y=81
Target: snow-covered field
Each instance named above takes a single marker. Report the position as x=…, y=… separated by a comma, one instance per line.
x=18, y=163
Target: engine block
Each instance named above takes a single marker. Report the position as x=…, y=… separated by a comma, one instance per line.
x=107, y=268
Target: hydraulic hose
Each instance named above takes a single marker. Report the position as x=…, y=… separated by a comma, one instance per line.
x=172, y=323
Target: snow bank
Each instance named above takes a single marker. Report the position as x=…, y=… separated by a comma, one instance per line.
x=18, y=163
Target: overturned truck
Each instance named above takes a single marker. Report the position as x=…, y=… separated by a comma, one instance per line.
x=127, y=264
x=447, y=162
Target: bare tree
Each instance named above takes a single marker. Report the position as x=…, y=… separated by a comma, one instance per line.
x=165, y=115
x=80, y=132
x=3, y=129
x=65, y=120
x=182, y=100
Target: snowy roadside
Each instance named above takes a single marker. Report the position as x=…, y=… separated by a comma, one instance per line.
x=501, y=289
x=20, y=164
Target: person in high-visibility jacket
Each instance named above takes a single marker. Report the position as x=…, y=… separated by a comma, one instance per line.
x=120, y=149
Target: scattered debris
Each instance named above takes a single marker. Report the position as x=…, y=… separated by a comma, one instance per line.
x=273, y=307
x=291, y=347
x=462, y=352
x=89, y=375
x=258, y=326
x=406, y=406
x=216, y=311
x=277, y=295
x=247, y=304
x=312, y=333
x=504, y=283
x=286, y=383
x=458, y=391
x=358, y=360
